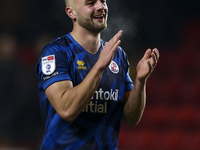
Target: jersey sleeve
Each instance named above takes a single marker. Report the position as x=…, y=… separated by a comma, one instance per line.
x=128, y=80
x=53, y=65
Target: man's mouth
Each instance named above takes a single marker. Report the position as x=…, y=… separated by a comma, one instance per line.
x=99, y=16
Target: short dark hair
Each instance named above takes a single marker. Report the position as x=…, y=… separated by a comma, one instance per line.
x=67, y=2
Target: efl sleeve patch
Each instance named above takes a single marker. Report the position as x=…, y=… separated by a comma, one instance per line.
x=48, y=64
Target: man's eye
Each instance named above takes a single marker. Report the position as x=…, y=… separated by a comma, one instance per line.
x=103, y=2
x=91, y=3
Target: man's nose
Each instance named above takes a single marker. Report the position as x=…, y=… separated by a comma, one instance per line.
x=100, y=5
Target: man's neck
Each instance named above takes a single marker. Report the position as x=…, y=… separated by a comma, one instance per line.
x=89, y=41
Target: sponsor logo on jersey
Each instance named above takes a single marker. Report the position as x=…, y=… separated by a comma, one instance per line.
x=81, y=65
x=98, y=103
x=114, y=67
x=48, y=64
x=106, y=95
x=96, y=107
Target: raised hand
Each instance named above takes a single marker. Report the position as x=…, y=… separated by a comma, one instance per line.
x=147, y=64
x=109, y=49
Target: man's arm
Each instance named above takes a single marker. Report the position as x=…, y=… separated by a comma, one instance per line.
x=135, y=99
x=69, y=101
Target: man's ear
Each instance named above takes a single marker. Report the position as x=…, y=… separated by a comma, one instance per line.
x=70, y=12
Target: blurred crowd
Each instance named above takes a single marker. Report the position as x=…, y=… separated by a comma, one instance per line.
x=22, y=36
x=171, y=120
x=173, y=89
x=19, y=109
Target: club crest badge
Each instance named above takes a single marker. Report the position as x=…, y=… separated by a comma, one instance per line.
x=114, y=67
x=48, y=64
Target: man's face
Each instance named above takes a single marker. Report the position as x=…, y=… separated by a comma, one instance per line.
x=92, y=15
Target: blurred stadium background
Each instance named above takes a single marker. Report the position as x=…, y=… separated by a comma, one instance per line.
x=171, y=120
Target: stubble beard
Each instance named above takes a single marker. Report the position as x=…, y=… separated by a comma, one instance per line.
x=89, y=25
